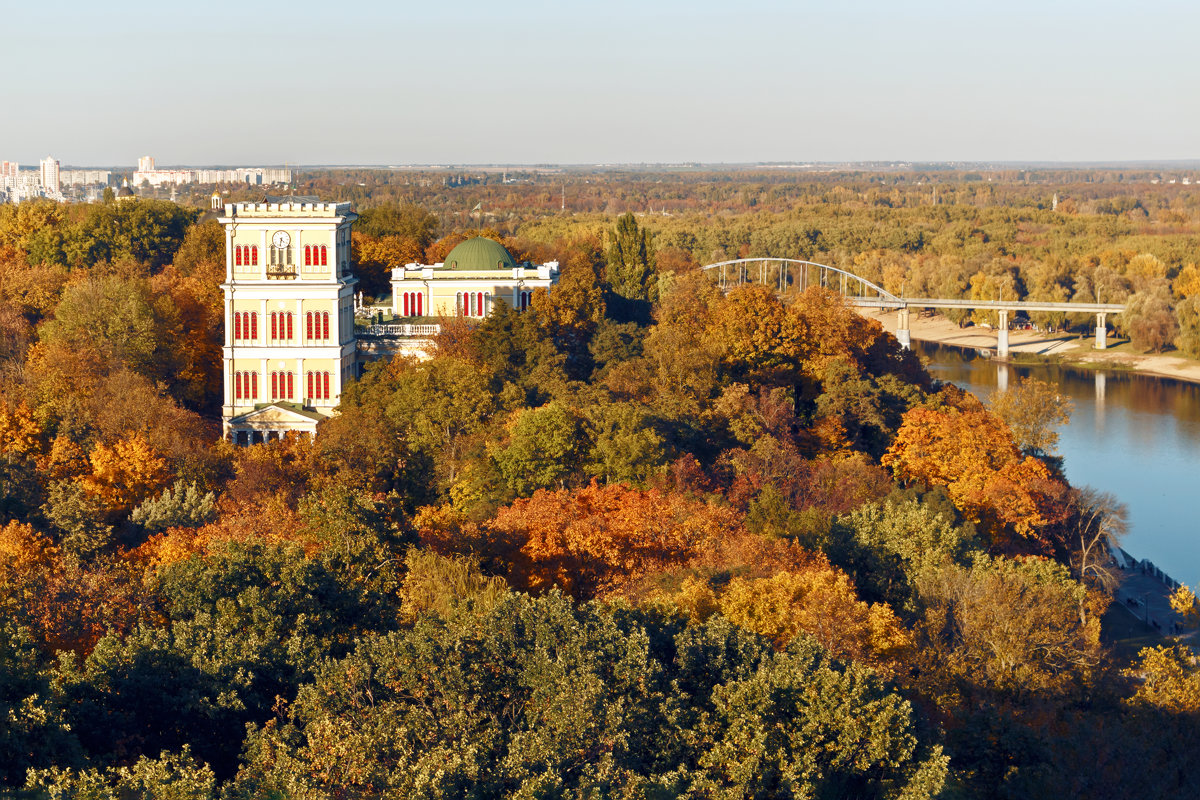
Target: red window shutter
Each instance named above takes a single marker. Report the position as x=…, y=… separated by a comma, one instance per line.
x=420, y=303
x=237, y=256
x=310, y=385
x=406, y=305
x=254, y=385
x=324, y=256
x=237, y=326
x=254, y=255
x=308, y=324
x=325, y=377
x=274, y=385
x=291, y=393
x=289, y=327
x=237, y=386
x=324, y=324
x=254, y=326
x=307, y=256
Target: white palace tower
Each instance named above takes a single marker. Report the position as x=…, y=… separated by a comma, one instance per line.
x=289, y=315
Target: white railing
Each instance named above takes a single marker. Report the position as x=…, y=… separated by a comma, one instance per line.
x=407, y=330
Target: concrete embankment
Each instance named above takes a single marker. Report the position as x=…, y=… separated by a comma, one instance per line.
x=1066, y=347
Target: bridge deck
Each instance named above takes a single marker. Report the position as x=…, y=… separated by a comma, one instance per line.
x=858, y=291
x=985, y=305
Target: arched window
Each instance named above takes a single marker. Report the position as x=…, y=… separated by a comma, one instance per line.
x=237, y=386
x=291, y=392
x=289, y=326
x=274, y=329
x=237, y=325
x=253, y=385
x=420, y=303
x=406, y=310
x=274, y=385
x=307, y=255
x=324, y=324
x=310, y=385
x=308, y=328
x=237, y=256
x=254, y=255
x=254, y=328
x=326, y=379
x=324, y=256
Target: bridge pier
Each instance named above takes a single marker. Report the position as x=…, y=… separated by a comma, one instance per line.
x=1002, y=336
x=903, y=333
x=1101, y=332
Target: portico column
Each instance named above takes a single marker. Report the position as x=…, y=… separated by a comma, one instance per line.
x=1101, y=332
x=1002, y=336
x=903, y=334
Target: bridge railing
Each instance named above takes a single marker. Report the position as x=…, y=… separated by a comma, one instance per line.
x=784, y=274
x=789, y=273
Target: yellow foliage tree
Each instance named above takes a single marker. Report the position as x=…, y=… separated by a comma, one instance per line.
x=126, y=473
x=1183, y=603
x=1170, y=679
x=66, y=459
x=23, y=549
x=20, y=434
x=821, y=603
x=1187, y=282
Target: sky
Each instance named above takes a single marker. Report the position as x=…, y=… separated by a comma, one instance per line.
x=580, y=82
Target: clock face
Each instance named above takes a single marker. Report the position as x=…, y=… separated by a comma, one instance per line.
x=281, y=239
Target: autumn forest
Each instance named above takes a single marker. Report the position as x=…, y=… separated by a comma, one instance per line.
x=645, y=539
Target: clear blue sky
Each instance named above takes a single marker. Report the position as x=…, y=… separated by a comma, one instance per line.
x=302, y=82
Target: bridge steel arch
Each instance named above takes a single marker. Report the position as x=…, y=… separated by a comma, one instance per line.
x=861, y=292
x=783, y=273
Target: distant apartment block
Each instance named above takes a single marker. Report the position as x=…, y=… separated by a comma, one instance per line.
x=252, y=176
x=17, y=185
x=84, y=177
x=49, y=175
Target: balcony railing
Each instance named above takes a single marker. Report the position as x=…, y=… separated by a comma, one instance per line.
x=400, y=331
x=281, y=270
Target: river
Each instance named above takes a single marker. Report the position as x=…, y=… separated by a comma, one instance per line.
x=1136, y=436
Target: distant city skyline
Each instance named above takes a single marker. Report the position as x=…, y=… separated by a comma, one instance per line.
x=376, y=83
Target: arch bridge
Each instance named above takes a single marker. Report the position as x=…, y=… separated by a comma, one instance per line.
x=783, y=274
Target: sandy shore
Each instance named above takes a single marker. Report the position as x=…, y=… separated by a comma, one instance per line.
x=932, y=328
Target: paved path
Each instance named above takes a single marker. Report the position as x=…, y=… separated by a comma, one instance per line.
x=1147, y=598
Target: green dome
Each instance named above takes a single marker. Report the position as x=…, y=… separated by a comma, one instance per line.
x=479, y=253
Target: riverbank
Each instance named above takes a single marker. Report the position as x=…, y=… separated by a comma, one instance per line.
x=1059, y=346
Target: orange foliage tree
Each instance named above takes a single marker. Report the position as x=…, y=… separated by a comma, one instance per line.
x=67, y=604
x=969, y=451
x=126, y=473
x=592, y=540
x=374, y=258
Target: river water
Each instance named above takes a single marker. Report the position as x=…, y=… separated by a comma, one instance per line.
x=1136, y=436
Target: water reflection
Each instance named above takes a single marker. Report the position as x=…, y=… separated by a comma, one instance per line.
x=1136, y=436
